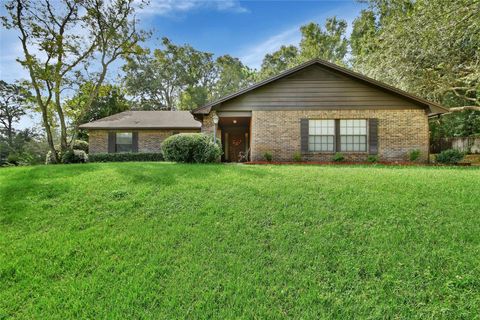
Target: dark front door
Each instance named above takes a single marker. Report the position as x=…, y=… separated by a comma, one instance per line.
x=236, y=144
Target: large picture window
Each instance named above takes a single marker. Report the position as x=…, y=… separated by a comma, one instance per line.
x=124, y=141
x=353, y=135
x=321, y=135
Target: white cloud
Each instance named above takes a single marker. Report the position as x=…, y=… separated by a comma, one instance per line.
x=166, y=7
x=254, y=54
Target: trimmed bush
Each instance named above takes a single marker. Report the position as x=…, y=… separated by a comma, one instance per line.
x=124, y=157
x=74, y=156
x=338, y=157
x=191, y=148
x=80, y=145
x=267, y=156
x=450, y=156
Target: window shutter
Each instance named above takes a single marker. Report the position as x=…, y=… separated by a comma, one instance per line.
x=373, y=136
x=304, y=135
x=111, y=142
x=134, y=141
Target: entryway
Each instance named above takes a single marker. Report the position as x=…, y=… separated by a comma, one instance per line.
x=235, y=138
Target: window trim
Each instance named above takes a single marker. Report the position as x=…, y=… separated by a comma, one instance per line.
x=337, y=137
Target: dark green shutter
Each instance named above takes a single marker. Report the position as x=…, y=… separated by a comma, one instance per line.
x=373, y=136
x=304, y=135
x=337, y=135
x=134, y=141
x=111, y=142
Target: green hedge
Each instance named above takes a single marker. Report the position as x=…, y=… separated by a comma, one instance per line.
x=191, y=148
x=123, y=157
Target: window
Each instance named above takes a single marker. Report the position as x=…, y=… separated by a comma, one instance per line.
x=123, y=142
x=321, y=135
x=353, y=135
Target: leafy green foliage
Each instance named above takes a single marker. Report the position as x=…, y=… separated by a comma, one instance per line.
x=267, y=156
x=297, y=156
x=74, y=156
x=191, y=148
x=338, y=157
x=372, y=158
x=413, y=155
x=450, y=156
x=224, y=242
x=428, y=48
x=110, y=100
x=125, y=156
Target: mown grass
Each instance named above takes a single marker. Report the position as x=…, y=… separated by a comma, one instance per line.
x=168, y=241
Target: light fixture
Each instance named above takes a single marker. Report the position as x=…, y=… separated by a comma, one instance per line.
x=215, y=122
x=234, y=121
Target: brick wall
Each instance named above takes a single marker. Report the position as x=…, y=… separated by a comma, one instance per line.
x=148, y=140
x=399, y=132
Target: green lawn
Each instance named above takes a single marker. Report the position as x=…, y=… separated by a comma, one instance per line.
x=168, y=241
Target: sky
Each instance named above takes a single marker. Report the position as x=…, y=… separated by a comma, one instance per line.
x=244, y=29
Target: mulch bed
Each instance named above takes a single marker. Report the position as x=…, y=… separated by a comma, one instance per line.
x=354, y=163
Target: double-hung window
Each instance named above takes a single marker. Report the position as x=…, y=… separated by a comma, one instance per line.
x=330, y=135
x=353, y=135
x=124, y=142
x=321, y=135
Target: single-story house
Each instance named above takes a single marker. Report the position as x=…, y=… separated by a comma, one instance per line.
x=315, y=109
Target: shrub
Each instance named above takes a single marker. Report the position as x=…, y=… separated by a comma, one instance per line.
x=450, y=156
x=191, y=148
x=80, y=145
x=414, y=155
x=338, y=157
x=74, y=156
x=372, y=158
x=267, y=156
x=297, y=157
x=124, y=157
x=13, y=158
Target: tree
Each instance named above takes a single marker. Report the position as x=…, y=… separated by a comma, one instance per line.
x=429, y=48
x=231, y=76
x=279, y=61
x=329, y=44
x=110, y=100
x=13, y=102
x=170, y=78
x=68, y=41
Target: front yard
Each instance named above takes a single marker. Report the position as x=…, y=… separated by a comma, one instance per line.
x=160, y=240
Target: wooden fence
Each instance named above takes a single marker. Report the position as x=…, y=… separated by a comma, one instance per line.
x=464, y=144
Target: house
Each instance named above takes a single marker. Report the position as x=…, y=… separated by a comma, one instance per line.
x=315, y=109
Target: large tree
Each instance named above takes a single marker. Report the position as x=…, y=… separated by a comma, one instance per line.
x=231, y=75
x=110, y=100
x=428, y=47
x=66, y=41
x=328, y=43
x=13, y=105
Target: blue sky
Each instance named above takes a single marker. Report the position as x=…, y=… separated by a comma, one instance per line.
x=244, y=29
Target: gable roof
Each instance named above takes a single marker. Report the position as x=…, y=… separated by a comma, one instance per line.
x=433, y=107
x=146, y=120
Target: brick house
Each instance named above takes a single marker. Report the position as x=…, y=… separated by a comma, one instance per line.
x=315, y=109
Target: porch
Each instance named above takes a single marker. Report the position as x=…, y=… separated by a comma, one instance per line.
x=234, y=130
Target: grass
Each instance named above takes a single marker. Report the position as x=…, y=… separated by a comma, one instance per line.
x=168, y=241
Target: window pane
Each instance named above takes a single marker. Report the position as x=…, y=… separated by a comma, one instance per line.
x=124, y=138
x=124, y=148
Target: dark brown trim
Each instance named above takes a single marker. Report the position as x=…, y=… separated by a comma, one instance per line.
x=141, y=128
x=428, y=104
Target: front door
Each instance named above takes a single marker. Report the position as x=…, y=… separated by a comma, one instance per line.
x=236, y=144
